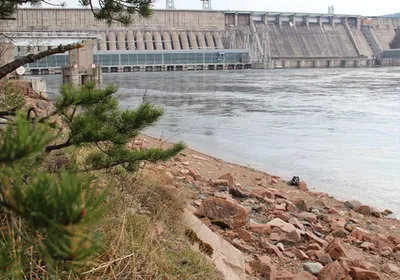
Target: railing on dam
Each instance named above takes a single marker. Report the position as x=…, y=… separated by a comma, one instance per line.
x=136, y=58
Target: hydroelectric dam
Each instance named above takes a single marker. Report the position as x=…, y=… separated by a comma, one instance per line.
x=180, y=40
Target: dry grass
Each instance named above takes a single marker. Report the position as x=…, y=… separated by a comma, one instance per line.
x=143, y=236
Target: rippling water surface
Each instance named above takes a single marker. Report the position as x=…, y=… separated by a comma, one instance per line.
x=338, y=129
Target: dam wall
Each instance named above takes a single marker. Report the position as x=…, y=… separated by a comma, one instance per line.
x=271, y=39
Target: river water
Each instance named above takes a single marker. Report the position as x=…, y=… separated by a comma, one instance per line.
x=338, y=129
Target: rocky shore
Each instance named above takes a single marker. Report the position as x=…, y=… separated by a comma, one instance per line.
x=257, y=226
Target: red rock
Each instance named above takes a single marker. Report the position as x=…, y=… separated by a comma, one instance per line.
x=364, y=209
x=237, y=192
x=309, y=217
x=303, y=186
x=274, y=180
x=296, y=223
x=367, y=246
x=280, y=207
x=167, y=178
x=286, y=227
x=361, y=264
x=300, y=254
x=323, y=257
x=264, y=268
x=195, y=174
x=242, y=246
x=218, y=182
x=229, y=177
x=336, y=250
x=293, y=236
x=355, y=255
x=271, y=249
x=290, y=207
x=394, y=239
x=362, y=274
x=333, y=211
x=275, y=236
x=340, y=233
x=261, y=192
x=318, y=227
x=311, y=254
x=352, y=204
x=332, y=271
x=289, y=254
x=315, y=239
x=260, y=228
x=278, y=194
x=248, y=269
x=301, y=205
x=314, y=246
x=224, y=211
x=304, y=275
x=327, y=218
x=245, y=235
x=396, y=249
x=284, y=275
x=391, y=268
x=283, y=216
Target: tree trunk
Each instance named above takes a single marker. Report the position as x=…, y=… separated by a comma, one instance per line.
x=8, y=68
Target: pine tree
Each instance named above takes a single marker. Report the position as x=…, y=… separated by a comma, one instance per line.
x=49, y=217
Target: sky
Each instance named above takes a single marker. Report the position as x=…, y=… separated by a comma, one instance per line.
x=353, y=7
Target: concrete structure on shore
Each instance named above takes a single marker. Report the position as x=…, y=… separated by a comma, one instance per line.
x=206, y=40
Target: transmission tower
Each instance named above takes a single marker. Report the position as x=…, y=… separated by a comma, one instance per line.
x=170, y=4
x=206, y=4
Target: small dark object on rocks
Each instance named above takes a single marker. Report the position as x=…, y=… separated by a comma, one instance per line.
x=295, y=181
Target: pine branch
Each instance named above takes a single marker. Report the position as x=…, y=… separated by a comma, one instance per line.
x=8, y=68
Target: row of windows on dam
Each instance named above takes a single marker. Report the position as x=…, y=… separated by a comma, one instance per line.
x=137, y=40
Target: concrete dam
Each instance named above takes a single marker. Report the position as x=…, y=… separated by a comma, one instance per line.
x=214, y=40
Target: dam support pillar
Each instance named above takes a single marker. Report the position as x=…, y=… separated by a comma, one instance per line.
x=330, y=64
x=265, y=19
x=302, y=63
x=81, y=68
x=358, y=23
x=236, y=19
x=356, y=63
x=332, y=19
x=306, y=20
x=279, y=20
x=316, y=63
x=320, y=21
x=286, y=64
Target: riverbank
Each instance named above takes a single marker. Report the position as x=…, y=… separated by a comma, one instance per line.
x=284, y=227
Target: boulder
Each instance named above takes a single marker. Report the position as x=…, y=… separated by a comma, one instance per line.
x=340, y=233
x=261, y=192
x=226, y=258
x=300, y=254
x=245, y=235
x=259, y=228
x=284, y=275
x=264, y=268
x=304, y=275
x=336, y=250
x=362, y=274
x=309, y=217
x=271, y=249
x=293, y=236
x=218, y=182
x=223, y=212
x=352, y=204
x=391, y=268
x=229, y=177
x=323, y=257
x=313, y=267
x=237, y=192
x=332, y=271
x=282, y=225
x=303, y=186
x=313, y=246
x=310, y=236
x=301, y=205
